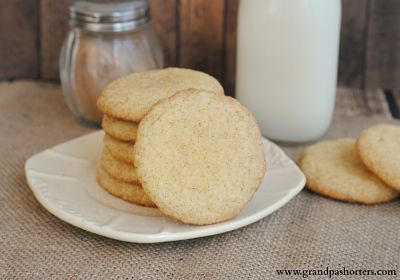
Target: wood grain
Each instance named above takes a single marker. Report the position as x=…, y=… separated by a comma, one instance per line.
x=230, y=36
x=19, y=53
x=201, y=35
x=165, y=20
x=352, y=43
x=54, y=27
x=383, y=46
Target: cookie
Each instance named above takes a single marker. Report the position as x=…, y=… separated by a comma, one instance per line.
x=334, y=169
x=120, y=150
x=129, y=98
x=118, y=169
x=119, y=129
x=199, y=156
x=379, y=149
x=130, y=192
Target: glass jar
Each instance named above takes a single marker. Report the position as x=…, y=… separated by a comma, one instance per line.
x=106, y=41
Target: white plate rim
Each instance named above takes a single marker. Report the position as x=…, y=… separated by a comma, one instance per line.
x=201, y=231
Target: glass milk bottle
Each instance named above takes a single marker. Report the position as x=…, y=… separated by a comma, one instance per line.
x=287, y=60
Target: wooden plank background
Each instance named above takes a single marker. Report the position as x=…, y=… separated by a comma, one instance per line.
x=19, y=40
x=201, y=34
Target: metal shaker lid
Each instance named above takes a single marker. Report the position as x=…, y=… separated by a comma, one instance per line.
x=111, y=16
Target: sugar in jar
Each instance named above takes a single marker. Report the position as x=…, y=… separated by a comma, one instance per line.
x=106, y=40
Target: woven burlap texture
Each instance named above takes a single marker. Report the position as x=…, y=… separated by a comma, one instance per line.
x=310, y=232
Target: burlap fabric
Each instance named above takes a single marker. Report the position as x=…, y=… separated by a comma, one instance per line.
x=310, y=232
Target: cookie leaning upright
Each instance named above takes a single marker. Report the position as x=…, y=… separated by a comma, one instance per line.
x=199, y=156
x=129, y=98
x=379, y=149
x=334, y=169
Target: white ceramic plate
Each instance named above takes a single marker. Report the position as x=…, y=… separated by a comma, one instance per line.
x=63, y=181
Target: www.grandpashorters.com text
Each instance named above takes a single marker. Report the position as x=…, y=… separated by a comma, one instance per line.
x=332, y=273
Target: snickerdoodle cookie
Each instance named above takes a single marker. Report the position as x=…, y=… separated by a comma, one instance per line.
x=118, y=169
x=379, y=149
x=120, y=150
x=334, y=169
x=131, y=97
x=199, y=156
x=127, y=191
x=119, y=129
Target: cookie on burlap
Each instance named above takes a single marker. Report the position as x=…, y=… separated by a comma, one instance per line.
x=334, y=169
x=120, y=150
x=122, y=171
x=119, y=129
x=199, y=157
x=129, y=98
x=127, y=191
x=379, y=149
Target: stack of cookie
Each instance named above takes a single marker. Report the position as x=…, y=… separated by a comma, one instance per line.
x=117, y=174
x=124, y=103
x=363, y=170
